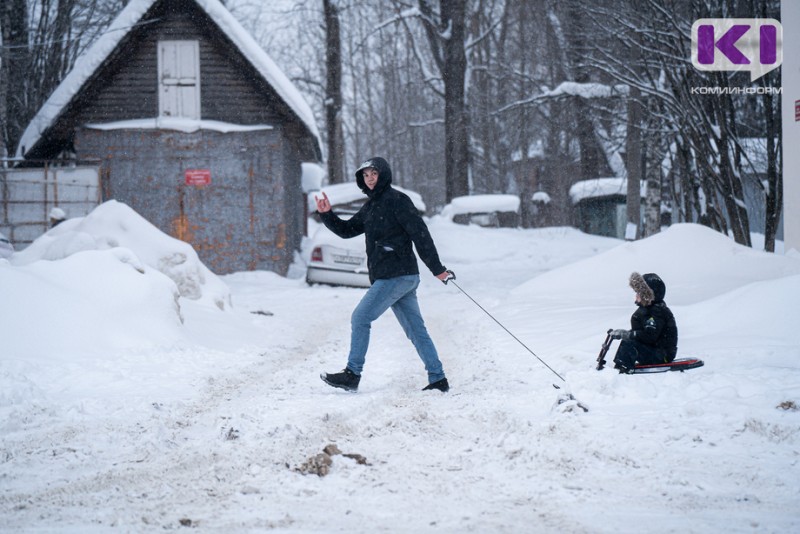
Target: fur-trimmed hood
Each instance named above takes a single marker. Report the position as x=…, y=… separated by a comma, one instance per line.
x=650, y=288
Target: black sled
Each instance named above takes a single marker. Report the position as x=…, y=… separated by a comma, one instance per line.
x=681, y=364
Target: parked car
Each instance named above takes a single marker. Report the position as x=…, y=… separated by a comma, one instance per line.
x=6, y=248
x=493, y=211
x=337, y=261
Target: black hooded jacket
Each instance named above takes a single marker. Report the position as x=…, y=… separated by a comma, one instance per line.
x=390, y=223
x=653, y=323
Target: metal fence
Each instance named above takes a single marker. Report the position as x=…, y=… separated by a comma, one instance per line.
x=28, y=194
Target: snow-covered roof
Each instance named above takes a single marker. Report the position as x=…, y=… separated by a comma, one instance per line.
x=541, y=197
x=89, y=62
x=340, y=194
x=179, y=124
x=481, y=204
x=312, y=177
x=601, y=187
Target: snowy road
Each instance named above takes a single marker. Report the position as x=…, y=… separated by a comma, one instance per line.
x=210, y=434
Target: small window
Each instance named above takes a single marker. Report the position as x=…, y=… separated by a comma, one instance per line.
x=179, y=79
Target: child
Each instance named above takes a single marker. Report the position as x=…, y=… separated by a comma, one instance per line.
x=653, y=337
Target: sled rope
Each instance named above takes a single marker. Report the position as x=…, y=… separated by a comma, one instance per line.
x=452, y=279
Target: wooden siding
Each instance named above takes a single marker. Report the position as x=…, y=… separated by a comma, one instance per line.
x=126, y=86
x=246, y=219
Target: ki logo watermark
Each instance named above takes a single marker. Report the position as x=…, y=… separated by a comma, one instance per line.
x=754, y=45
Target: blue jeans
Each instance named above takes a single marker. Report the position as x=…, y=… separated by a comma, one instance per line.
x=400, y=294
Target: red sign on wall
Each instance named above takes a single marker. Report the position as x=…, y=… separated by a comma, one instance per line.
x=197, y=176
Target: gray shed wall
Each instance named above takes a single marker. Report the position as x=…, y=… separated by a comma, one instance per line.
x=248, y=218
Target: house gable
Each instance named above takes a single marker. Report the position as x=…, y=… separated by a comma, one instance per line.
x=124, y=85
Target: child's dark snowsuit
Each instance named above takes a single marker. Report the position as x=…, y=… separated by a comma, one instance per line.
x=653, y=337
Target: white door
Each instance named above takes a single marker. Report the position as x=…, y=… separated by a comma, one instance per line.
x=179, y=79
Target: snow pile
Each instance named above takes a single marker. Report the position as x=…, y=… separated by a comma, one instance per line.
x=695, y=262
x=55, y=314
x=113, y=224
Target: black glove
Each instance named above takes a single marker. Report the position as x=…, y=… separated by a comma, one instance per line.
x=624, y=335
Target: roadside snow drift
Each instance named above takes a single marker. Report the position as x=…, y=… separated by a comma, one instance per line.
x=114, y=224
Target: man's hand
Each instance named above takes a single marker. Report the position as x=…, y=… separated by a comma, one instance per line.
x=624, y=335
x=446, y=276
x=323, y=205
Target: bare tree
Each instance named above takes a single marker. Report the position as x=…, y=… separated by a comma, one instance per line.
x=703, y=129
x=446, y=32
x=38, y=52
x=774, y=146
x=14, y=64
x=333, y=92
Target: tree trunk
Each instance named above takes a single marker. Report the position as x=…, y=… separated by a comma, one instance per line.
x=652, y=173
x=456, y=128
x=633, y=166
x=774, y=196
x=333, y=93
x=729, y=183
x=447, y=48
x=14, y=73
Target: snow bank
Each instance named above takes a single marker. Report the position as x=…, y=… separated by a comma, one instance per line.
x=114, y=224
x=695, y=262
x=91, y=302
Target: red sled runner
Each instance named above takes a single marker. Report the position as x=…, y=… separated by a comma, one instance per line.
x=681, y=364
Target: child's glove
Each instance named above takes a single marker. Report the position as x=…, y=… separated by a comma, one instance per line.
x=624, y=335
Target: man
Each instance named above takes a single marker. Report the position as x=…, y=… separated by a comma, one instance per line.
x=653, y=337
x=391, y=224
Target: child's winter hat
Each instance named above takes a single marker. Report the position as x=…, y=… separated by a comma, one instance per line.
x=650, y=287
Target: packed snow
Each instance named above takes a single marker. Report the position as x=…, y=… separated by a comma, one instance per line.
x=124, y=405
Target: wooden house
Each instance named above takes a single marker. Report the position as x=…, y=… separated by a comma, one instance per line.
x=195, y=128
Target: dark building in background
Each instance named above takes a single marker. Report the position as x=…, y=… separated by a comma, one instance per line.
x=194, y=127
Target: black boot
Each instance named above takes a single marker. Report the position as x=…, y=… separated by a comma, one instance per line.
x=441, y=385
x=345, y=379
